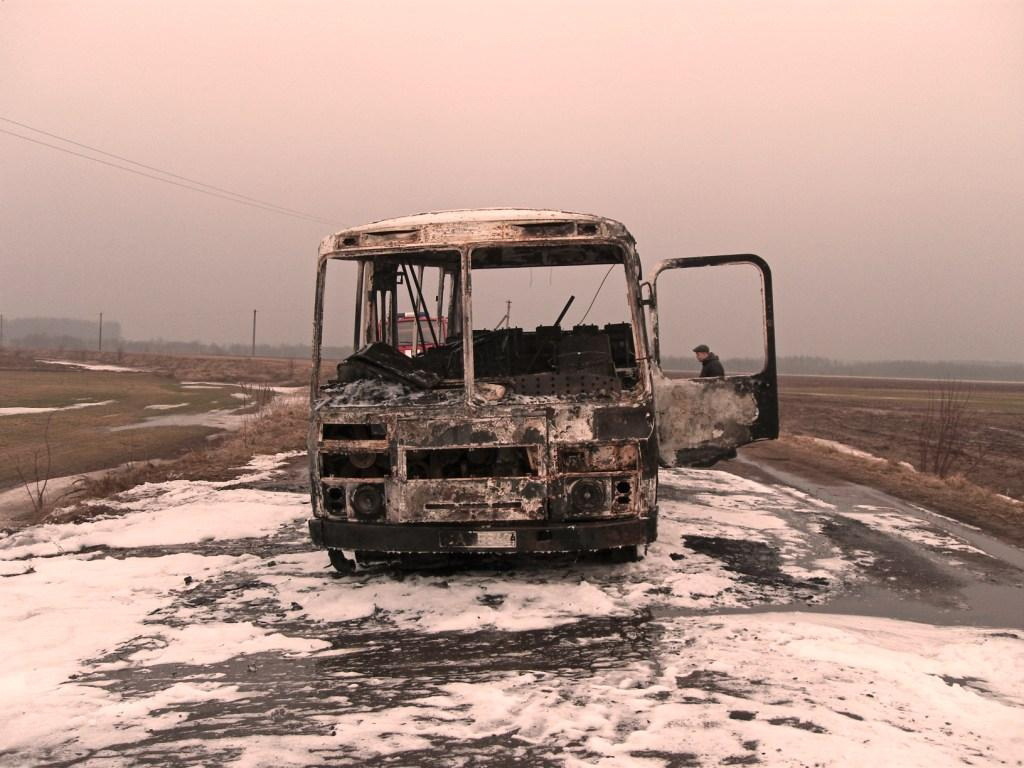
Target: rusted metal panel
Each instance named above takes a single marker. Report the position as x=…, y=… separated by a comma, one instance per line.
x=493, y=500
x=621, y=422
x=479, y=430
x=702, y=420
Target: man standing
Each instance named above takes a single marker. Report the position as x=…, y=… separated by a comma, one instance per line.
x=711, y=366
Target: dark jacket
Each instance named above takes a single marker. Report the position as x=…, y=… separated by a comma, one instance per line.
x=711, y=366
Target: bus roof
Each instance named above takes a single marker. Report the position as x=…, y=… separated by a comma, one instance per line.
x=473, y=226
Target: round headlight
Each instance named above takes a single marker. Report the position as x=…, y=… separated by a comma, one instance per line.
x=587, y=495
x=367, y=501
x=362, y=460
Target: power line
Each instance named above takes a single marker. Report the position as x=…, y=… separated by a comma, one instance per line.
x=192, y=185
x=154, y=168
x=591, y=305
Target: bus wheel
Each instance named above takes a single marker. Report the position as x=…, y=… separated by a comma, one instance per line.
x=341, y=563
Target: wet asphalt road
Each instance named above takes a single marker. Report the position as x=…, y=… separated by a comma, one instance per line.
x=830, y=549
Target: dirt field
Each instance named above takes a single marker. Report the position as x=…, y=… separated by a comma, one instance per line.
x=279, y=371
x=59, y=421
x=883, y=416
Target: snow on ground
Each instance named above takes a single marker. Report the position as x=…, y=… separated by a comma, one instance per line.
x=174, y=512
x=219, y=419
x=196, y=627
x=911, y=528
x=95, y=366
x=19, y=411
x=69, y=607
x=832, y=690
x=165, y=406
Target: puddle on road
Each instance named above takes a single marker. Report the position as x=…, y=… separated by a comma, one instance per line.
x=938, y=571
x=755, y=560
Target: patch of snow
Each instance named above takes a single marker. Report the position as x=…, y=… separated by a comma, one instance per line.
x=770, y=688
x=176, y=517
x=96, y=366
x=18, y=411
x=165, y=406
x=217, y=419
x=849, y=450
x=67, y=610
x=212, y=643
x=15, y=568
x=911, y=528
x=175, y=512
x=774, y=688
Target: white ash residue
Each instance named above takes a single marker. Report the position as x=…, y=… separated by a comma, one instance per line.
x=379, y=392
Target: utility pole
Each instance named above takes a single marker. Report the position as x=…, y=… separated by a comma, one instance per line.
x=253, y=334
x=101, y=333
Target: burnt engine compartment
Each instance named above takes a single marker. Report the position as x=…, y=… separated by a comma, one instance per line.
x=548, y=360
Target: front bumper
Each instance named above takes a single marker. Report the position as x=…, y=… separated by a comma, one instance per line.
x=433, y=538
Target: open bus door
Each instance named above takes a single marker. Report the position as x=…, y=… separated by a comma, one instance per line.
x=700, y=421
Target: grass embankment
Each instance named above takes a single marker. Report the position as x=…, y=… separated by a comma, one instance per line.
x=85, y=439
x=955, y=496
x=884, y=417
x=277, y=428
x=124, y=429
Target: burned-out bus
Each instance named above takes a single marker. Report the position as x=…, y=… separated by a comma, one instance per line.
x=495, y=434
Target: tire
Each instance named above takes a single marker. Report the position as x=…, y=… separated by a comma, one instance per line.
x=629, y=554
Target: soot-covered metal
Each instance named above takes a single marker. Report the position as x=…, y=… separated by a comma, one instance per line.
x=436, y=436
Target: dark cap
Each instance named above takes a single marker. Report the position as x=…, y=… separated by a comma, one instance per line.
x=702, y=348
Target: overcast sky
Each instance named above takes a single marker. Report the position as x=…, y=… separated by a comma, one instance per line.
x=872, y=152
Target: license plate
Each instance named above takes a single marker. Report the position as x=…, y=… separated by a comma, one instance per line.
x=480, y=539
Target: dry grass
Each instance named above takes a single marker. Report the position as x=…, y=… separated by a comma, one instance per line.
x=955, y=497
x=277, y=428
x=86, y=439
x=286, y=372
x=885, y=416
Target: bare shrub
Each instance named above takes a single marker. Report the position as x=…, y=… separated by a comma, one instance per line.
x=275, y=430
x=947, y=438
x=257, y=396
x=34, y=469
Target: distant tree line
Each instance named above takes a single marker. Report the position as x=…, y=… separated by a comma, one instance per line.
x=70, y=334
x=57, y=332
x=167, y=347
x=898, y=369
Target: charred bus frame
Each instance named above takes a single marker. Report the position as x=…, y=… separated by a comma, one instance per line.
x=475, y=446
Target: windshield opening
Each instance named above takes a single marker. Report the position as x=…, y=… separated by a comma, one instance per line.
x=553, y=321
x=548, y=322
x=404, y=317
